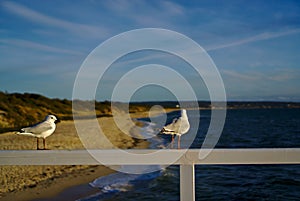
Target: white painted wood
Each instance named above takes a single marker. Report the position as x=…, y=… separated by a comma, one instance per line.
x=185, y=158
x=187, y=183
x=148, y=157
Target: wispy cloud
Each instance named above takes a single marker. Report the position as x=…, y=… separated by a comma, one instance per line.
x=147, y=13
x=37, y=46
x=45, y=20
x=259, y=37
x=172, y=8
x=52, y=43
x=269, y=85
x=240, y=76
x=283, y=75
x=275, y=75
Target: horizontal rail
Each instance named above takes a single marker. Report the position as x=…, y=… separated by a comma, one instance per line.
x=150, y=157
x=185, y=158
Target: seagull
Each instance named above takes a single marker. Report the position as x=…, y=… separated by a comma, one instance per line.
x=41, y=130
x=178, y=127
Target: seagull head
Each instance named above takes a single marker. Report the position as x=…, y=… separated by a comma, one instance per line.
x=52, y=118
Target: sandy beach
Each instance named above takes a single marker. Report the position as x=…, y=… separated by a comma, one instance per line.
x=43, y=182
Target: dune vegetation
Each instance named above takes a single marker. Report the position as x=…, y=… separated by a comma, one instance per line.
x=19, y=110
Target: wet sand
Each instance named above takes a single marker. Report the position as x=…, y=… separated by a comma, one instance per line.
x=67, y=186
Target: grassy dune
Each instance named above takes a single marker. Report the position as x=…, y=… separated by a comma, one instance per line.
x=20, y=110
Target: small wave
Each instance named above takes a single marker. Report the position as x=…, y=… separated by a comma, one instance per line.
x=117, y=183
x=113, y=184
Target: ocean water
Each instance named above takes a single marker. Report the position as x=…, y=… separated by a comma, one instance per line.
x=245, y=128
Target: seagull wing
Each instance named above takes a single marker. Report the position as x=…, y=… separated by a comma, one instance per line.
x=173, y=127
x=27, y=134
x=38, y=128
x=178, y=126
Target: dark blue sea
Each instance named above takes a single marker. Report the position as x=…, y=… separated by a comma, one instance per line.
x=244, y=128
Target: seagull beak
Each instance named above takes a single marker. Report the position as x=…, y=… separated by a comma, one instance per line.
x=57, y=121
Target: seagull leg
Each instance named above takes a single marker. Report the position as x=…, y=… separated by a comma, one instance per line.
x=172, y=142
x=37, y=144
x=44, y=142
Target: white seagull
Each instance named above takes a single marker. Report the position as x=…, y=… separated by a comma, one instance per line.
x=178, y=127
x=41, y=130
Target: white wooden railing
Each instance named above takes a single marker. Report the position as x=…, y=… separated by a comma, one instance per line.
x=187, y=159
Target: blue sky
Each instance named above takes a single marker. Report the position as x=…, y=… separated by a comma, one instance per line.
x=254, y=44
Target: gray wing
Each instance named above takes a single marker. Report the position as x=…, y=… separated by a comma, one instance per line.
x=38, y=128
x=174, y=126
x=178, y=126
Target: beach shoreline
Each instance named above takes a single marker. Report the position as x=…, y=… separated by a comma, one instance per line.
x=67, y=182
x=69, y=186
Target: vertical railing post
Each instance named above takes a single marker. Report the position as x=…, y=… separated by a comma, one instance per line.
x=187, y=182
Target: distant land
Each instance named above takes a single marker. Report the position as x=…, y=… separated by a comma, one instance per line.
x=18, y=110
x=229, y=105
